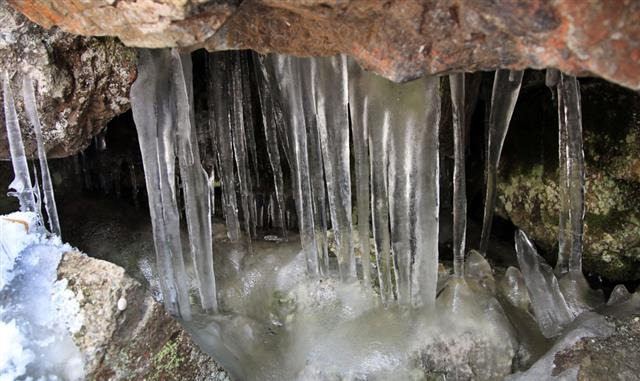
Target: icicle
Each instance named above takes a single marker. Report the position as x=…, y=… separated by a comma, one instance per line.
x=551, y=80
x=220, y=121
x=29, y=97
x=307, y=69
x=153, y=116
x=333, y=125
x=290, y=84
x=548, y=303
x=271, y=137
x=195, y=181
x=240, y=149
x=402, y=123
x=21, y=184
x=506, y=87
x=359, y=131
x=572, y=173
x=134, y=183
x=457, y=85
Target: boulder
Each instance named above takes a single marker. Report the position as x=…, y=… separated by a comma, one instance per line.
x=126, y=334
x=81, y=82
x=398, y=39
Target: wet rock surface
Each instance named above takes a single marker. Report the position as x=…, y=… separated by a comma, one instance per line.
x=400, y=40
x=126, y=334
x=605, y=358
x=81, y=82
x=528, y=186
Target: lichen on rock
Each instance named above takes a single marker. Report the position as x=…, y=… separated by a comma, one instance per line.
x=528, y=187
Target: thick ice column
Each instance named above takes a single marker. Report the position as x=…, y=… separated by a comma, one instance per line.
x=271, y=136
x=358, y=107
x=402, y=122
x=154, y=119
x=573, y=185
x=307, y=69
x=197, y=199
x=548, y=303
x=28, y=94
x=333, y=125
x=291, y=95
x=506, y=87
x=457, y=85
x=220, y=122
x=21, y=183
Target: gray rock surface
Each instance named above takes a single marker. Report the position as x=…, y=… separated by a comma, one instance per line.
x=126, y=334
x=81, y=82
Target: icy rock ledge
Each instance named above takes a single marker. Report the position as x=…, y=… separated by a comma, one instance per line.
x=62, y=316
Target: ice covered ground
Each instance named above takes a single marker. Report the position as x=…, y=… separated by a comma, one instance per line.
x=38, y=314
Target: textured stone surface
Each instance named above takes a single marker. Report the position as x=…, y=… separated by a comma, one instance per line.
x=81, y=82
x=528, y=186
x=126, y=334
x=605, y=358
x=399, y=39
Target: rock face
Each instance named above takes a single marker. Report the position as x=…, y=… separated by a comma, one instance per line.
x=81, y=82
x=528, y=186
x=398, y=39
x=126, y=334
x=605, y=358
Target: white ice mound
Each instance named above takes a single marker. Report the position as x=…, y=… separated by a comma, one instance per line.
x=38, y=313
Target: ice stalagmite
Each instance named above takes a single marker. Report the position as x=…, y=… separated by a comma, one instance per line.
x=267, y=109
x=289, y=82
x=359, y=131
x=333, y=125
x=153, y=114
x=457, y=85
x=307, y=69
x=28, y=94
x=195, y=181
x=220, y=122
x=238, y=135
x=21, y=184
x=506, y=87
x=548, y=303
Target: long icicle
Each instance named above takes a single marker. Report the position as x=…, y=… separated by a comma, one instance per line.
x=307, y=70
x=240, y=147
x=359, y=131
x=21, y=184
x=220, y=122
x=271, y=136
x=289, y=80
x=457, y=86
x=153, y=116
x=28, y=94
x=333, y=125
x=562, y=265
x=569, y=89
x=506, y=87
x=195, y=180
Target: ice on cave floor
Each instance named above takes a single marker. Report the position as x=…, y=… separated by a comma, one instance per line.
x=38, y=314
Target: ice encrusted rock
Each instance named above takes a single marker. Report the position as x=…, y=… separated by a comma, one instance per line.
x=38, y=313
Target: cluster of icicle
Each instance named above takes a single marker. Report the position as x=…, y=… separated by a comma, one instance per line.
x=314, y=111
x=28, y=195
